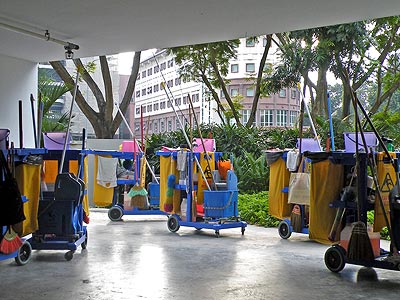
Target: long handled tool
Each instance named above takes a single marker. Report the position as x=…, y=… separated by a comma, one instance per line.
x=69, y=123
x=136, y=144
x=33, y=120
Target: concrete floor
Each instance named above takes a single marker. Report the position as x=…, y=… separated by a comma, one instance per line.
x=138, y=258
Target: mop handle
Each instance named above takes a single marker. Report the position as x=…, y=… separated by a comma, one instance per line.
x=69, y=123
x=309, y=116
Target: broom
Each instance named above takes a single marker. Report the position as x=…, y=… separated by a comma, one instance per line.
x=359, y=244
x=10, y=242
x=137, y=193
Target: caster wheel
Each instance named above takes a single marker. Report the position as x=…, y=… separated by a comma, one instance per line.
x=173, y=223
x=84, y=244
x=24, y=254
x=284, y=230
x=335, y=258
x=217, y=233
x=69, y=255
x=115, y=213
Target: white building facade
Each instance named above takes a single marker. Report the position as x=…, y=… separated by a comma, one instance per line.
x=161, y=97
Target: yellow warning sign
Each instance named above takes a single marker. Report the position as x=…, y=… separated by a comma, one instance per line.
x=387, y=184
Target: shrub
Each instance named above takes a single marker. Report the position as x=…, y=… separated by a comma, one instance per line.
x=253, y=208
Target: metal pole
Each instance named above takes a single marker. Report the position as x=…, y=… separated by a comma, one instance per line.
x=69, y=123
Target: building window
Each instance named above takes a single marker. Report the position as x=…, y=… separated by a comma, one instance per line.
x=234, y=92
x=250, y=92
x=170, y=63
x=177, y=125
x=162, y=126
x=143, y=74
x=245, y=115
x=266, y=118
x=250, y=68
x=250, y=42
x=184, y=99
x=149, y=72
x=143, y=92
x=138, y=110
x=156, y=126
x=161, y=86
x=177, y=81
x=178, y=101
x=195, y=98
x=149, y=90
x=149, y=108
x=137, y=94
x=234, y=68
x=170, y=83
x=155, y=106
x=281, y=117
x=282, y=93
x=155, y=88
x=293, y=118
x=156, y=69
x=163, y=66
x=162, y=105
x=143, y=109
x=293, y=94
x=264, y=42
x=138, y=76
x=169, y=125
x=168, y=104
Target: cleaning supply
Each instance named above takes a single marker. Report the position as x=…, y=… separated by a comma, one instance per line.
x=10, y=242
x=168, y=205
x=360, y=247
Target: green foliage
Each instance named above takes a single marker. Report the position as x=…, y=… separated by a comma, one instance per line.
x=49, y=92
x=253, y=208
x=252, y=173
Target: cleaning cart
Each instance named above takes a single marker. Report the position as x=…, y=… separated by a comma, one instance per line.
x=26, y=171
x=61, y=207
x=129, y=174
x=196, y=198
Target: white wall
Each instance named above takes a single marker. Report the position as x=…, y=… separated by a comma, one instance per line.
x=18, y=81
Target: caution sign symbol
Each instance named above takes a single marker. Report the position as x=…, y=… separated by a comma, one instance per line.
x=387, y=184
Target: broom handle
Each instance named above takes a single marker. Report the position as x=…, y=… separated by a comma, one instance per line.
x=130, y=131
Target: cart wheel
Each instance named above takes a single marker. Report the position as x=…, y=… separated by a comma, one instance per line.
x=115, y=213
x=84, y=244
x=284, y=230
x=217, y=233
x=173, y=223
x=243, y=229
x=24, y=254
x=335, y=258
x=69, y=255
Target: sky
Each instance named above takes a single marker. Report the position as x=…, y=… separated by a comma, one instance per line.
x=125, y=60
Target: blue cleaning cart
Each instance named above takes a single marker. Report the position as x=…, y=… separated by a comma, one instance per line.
x=220, y=204
x=118, y=208
x=61, y=214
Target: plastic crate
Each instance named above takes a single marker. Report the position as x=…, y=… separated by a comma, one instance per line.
x=220, y=204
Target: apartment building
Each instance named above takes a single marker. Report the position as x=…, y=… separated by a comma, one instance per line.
x=161, y=97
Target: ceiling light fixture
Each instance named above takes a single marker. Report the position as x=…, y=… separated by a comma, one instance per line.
x=69, y=54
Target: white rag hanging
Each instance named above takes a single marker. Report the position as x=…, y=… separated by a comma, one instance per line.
x=107, y=171
x=181, y=161
x=292, y=160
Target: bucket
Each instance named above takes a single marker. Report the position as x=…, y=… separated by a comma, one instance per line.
x=55, y=140
x=308, y=144
x=4, y=133
x=374, y=237
x=350, y=141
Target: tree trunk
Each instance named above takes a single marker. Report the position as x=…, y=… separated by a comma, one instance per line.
x=258, y=82
x=102, y=121
x=320, y=106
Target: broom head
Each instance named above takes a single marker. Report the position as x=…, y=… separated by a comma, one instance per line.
x=10, y=242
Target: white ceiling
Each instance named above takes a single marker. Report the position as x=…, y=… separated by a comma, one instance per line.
x=115, y=26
